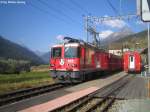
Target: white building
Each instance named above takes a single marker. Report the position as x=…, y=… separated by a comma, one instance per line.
x=116, y=52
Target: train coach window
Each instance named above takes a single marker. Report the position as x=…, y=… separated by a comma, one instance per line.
x=72, y=52
x=131, y=58
x=56, y=52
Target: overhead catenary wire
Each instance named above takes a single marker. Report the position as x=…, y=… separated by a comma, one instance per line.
x=79, y=6
x=113, y=8
x=48, y=13
x=67, y=6
x=58, y=11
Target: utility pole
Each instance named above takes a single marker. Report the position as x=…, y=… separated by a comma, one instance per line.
x=94, y=35
x=145, y=16
x=86, y=27
x=103, y=19
x=148, y=48
x=92, y=19
x=92, y=30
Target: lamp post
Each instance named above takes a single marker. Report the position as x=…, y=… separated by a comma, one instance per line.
x=148, y=49
x=145, y=16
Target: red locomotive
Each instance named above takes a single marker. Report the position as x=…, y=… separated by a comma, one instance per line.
x=132, y=61
x=75, y=61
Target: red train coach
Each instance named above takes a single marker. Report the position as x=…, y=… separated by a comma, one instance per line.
x=75, y=61
x=132, y=61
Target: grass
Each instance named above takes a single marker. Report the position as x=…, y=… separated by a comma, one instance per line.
x=40, y=68
x=11, y=82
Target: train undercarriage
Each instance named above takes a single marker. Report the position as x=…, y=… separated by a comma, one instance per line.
x=75, y=76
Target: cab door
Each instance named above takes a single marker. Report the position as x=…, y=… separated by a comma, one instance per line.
x=131, y=62
x=82, y=57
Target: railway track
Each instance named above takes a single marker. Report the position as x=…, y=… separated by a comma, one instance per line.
x=93, y=102
x=27, y=93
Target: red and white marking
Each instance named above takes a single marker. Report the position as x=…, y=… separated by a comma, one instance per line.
x=61, y=101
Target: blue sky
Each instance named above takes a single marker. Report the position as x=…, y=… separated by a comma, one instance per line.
x=36, y=24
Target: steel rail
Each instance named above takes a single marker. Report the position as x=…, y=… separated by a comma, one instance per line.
x=75, y=105
x=106, y=98
x=26, y=93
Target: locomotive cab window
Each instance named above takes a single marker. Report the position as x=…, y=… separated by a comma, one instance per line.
x=72, y=52
x=56, y=52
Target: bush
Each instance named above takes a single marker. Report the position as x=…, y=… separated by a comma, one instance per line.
x=14, y=66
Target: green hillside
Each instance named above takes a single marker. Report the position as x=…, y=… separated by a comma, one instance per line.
x=131, y=41
x=11, y=50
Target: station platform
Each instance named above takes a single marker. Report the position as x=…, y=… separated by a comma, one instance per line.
x=101, y=82
x=61, y=101
x=137, y=88
x=132, y=105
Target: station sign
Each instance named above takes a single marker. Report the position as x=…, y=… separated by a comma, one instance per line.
x=145, y=10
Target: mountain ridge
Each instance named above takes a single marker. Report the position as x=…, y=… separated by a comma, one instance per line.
x=9, y=49
x=136, y=40
x=124, y=32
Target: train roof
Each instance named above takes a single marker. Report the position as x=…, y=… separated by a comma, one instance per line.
x=72, y=44
x=58, y=45
x=68, y=41
x=132, y=52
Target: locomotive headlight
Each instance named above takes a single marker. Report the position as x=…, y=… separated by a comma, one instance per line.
x=52, y=65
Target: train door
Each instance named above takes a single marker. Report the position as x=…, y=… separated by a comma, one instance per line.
x=131, y=62
x=97, y=60
x=82, y=57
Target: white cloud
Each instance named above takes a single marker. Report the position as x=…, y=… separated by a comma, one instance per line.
x=140, y=22
x=105, y=34
x=115, y=23
x=60, y=37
